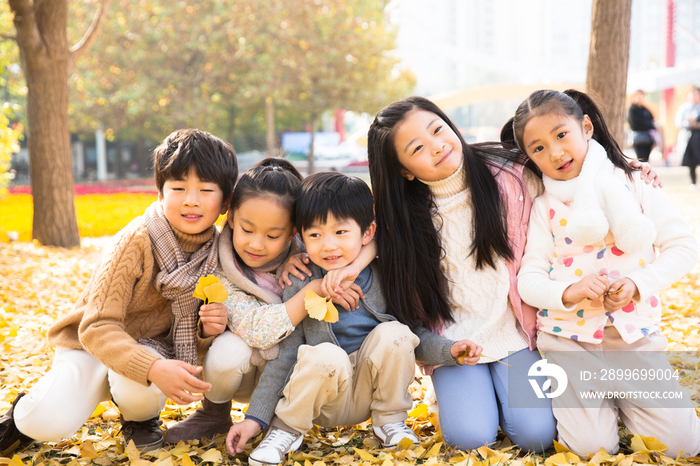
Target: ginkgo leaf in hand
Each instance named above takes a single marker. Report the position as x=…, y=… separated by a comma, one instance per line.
x=203, y=282
x=216, y=293
x=320, y=308
x=463, y=355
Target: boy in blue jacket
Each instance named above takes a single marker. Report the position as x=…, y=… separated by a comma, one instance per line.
x=341, y=373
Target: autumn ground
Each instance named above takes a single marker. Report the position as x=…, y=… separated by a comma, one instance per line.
x=38, y=284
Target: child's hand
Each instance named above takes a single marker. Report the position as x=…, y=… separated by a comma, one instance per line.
x=350, y=299
x=591, y=287
x=648, y=174
x=296, y=265
x=471, y=349
x=177, y=381
x=214, y=319
x=239, y=434
x=620, y=293
x=331, y=284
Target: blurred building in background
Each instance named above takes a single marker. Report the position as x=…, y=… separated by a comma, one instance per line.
x=480, y=58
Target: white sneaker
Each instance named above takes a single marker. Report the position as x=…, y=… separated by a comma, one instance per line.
x=275, y=447
x=391, y=434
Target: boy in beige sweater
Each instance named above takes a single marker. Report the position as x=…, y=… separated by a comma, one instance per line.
x=133, y=336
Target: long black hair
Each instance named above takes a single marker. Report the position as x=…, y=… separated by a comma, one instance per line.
x=571, y=103
x=408, y=243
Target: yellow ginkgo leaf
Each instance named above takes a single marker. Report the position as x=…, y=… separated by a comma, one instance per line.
x=365, y=455
x=641, y=443
x=320, y=308
x=203, y=282
x=211, y=456
x=419, y=411
x=216, y=293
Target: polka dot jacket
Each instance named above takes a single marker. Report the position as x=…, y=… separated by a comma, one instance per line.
x=552, y=262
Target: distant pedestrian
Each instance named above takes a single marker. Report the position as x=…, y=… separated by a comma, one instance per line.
x=688, y=118
x=642, y=123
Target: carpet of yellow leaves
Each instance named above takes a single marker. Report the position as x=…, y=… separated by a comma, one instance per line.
x=98, y=214
x=38, y=284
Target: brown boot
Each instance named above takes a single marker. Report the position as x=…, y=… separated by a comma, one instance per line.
x=147, y=435
x=10, y=437
x=209, y=420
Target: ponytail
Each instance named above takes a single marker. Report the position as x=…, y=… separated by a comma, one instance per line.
x=601, y=132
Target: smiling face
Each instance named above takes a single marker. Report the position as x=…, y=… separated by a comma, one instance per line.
x=261, y=230
x=426, y=147
x=192, y=205
x=557, y=144
x=335, y=243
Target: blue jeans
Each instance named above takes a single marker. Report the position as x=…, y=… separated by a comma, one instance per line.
x=473, y=402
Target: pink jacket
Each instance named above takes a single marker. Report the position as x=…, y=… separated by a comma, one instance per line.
x=518, y=205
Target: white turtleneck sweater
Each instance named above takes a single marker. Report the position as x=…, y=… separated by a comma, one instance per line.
x=479, y=298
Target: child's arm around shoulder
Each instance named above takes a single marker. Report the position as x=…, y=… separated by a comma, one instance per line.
x=534, y=285
x=677, y=246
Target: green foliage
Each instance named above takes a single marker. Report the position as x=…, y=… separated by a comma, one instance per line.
x=158, y=65
x=343, y=56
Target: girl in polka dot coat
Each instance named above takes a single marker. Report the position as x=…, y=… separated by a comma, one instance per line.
x=591, y=267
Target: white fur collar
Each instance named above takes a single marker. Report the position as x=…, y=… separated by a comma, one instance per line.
x=602, y=202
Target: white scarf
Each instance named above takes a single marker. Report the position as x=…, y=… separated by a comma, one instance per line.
x=602, y=203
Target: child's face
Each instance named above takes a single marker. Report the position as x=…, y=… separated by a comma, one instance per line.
x=557, y=144
x=427, y=147
x=336, y=243
x=192, y=205
x=261, y=230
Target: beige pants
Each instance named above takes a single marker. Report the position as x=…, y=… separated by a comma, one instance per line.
x=63, y=399
x=585, y=429
x=328, y=387
x=228, y=369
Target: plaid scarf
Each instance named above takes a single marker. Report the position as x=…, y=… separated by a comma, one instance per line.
x=176, y=281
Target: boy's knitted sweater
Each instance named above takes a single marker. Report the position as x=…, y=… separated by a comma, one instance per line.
x=121, y=305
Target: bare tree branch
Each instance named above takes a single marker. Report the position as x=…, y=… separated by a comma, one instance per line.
x=6, y=37
x=28, y=36
x=91, y=34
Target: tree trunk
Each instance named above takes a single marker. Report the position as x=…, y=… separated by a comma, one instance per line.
x=43, y=45
x=311, y=167
x=608, y=60
x=270, y=124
